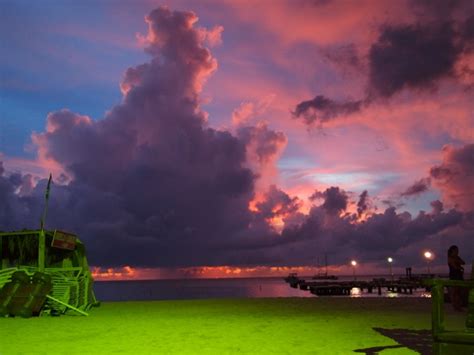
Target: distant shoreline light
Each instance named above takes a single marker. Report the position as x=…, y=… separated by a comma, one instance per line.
x=215, y=272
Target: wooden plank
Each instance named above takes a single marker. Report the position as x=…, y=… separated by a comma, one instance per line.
x=63, y=240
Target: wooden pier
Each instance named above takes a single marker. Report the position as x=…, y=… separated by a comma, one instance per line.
x=341, y=288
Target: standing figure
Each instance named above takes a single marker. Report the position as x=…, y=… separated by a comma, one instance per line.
x=456, y=272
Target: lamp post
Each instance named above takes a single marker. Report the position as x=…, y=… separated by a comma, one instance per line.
x=428, y=256
x=390, y=261
x=354, y=264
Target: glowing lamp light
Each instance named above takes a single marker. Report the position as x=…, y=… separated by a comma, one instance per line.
x=428, y=255
x=390, y=261
x=354, y=263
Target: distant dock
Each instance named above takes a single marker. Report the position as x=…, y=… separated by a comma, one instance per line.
x=342, y=288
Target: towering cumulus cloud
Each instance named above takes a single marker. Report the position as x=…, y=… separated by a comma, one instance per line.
x=151, y=181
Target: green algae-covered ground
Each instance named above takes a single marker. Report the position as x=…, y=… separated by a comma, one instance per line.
x=225, y=326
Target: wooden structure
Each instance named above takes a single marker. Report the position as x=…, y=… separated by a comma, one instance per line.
x=44, y=272
x=44, y=264
x=445, y=341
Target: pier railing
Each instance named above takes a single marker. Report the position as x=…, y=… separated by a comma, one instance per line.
x=336, y=287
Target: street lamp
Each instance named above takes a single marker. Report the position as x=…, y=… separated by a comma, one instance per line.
x=354, y=264
x=390, y=261
x=428, y=256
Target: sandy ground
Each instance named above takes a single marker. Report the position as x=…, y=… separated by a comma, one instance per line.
x=232, y=326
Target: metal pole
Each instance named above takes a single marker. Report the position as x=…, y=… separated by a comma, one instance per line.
x=326, y=263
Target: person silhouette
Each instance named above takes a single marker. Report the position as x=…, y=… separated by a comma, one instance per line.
x=456, y=272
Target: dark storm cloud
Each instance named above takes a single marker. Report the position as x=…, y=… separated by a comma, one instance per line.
x=398, y=234
x=20, y=202
x=321, y=109
x=467, y=32
x=418, y=55
x=345, y=56
x=335, y=199
x=116, y=235
x=276, y=203
x=437, y=206
x=151, y=183
x=262, y=142
x=418, y=187
x=363, y=203
x=393, y=232
x=438, y=9
x=409, y=56
x=413, y=56
x=455, y=176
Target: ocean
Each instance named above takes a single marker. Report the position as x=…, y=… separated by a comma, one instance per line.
x=183, y=289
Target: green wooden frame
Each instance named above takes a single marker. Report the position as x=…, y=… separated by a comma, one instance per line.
x=448, y=341
x=72, y=280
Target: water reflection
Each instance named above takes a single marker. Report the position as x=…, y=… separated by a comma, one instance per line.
x=275, y=288
x=356, y=292
x=215, y=288
x=195, y=289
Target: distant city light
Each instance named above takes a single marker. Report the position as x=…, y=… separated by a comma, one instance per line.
x=389, y=259
x=353, y=263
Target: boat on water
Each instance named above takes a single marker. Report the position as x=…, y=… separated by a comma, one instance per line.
x=323, y=275
x=44, y=272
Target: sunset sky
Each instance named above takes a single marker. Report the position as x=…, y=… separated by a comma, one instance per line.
x=241, y=137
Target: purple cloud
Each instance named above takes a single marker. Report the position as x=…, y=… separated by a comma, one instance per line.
x=417, y=188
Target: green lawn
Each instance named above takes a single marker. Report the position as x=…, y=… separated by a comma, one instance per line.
x=248, y=326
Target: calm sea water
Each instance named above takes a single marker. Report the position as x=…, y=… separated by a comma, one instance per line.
x=211, y=288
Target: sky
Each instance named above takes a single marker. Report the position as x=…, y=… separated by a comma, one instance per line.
x=241, y=138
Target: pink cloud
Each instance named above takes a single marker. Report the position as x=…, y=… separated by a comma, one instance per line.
x=324, y=23
x=455, y=176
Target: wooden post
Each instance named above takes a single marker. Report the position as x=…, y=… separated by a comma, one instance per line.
x=42, y=237
x=3, y=262
x=437, y=304
x=470, y=311
x=41, y=250
x=67, y=305
x=470, y=304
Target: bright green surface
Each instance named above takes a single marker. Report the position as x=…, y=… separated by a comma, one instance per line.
x=250, y=326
